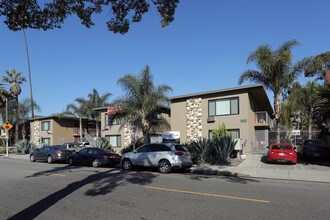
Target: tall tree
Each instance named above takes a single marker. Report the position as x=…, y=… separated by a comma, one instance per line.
x=25, y=109
x=141, y=100
x=300, y=104
x=15, y=79
x=50, y=14
x=95, y=101
x=80, y=111
x=276, y=72
x=318, y=65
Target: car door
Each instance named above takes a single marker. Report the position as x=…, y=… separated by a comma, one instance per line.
x=156, y=153
x=80, y=156
x=139, y=157
x=42, y=153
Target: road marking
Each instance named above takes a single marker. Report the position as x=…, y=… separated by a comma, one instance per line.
x=208, y=194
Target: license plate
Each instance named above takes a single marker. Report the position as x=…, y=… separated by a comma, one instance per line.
x=281, y=154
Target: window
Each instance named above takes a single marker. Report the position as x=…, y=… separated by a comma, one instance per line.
x=115, y=140
x=142, y=149
x=45, y=141
x=158, y=147
x=45, y=126
x=223, y=107
x=111, y=120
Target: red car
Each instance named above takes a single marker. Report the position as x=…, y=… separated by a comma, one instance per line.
x=284, y=153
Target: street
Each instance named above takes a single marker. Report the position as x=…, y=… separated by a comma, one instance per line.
x=57, y=191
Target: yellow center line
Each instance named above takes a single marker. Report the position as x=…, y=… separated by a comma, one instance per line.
x=208, y=194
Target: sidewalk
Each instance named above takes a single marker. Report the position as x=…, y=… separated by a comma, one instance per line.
x=250, y=167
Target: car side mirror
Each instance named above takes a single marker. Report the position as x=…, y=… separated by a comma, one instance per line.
x=134, y=151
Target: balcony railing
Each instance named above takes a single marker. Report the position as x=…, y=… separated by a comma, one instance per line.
x=263, y=119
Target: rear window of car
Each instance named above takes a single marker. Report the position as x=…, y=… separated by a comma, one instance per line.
x=180, y=148
x=281, y=147
x=315, y=143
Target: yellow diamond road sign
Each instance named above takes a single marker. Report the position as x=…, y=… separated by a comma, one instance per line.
x=7, y=126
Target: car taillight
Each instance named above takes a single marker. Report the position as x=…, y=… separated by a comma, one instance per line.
x=58, y=152
x=178, y=153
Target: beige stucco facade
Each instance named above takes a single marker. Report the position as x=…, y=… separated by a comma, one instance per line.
x=190, y=113
x=125, y=131
x=61, y=129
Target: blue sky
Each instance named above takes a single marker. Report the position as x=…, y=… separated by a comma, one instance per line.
x=205, y=48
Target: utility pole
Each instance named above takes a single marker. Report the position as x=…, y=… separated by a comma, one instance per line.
x=7, y=131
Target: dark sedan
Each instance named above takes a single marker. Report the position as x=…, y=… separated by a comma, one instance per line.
x=50, y=154
x=94, y=156
x=314, y=148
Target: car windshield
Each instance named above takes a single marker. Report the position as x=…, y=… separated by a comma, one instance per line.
x=315, y=143
x=180, y=148
x=281, y=147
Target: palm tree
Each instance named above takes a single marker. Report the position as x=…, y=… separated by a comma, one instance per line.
x=142, y=99
x=24, y=110
x=15, y=79
x=3, y=95
x=276, y=72
x=96, y=101
x=80, y=111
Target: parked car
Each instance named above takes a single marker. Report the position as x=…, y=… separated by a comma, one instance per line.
x=165, y=156
x=50, y=154
x=73, y=146
x=314, y=148
x=284, y=153
x=94, y=156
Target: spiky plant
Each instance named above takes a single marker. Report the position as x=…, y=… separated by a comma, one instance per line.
x=104, y=143
x=24, y=147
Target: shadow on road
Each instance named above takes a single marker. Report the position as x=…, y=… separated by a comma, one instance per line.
x=103, y=183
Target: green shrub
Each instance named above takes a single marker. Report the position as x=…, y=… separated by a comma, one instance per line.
x=2, y=146
x=24, y=147
x=130, y=148
x=104, y=143
x=214, y=151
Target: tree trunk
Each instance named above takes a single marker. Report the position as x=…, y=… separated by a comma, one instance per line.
x=80, y=128
x=310, y=121
x=97, y=128
x=277, y=109
x=23, y=131
x=17, y=121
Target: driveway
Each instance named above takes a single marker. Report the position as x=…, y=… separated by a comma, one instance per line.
x=302, y=164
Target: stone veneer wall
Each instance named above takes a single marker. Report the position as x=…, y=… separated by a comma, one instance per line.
x=194, y=119
x=127, y=135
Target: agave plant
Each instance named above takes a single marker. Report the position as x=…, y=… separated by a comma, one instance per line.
x=200, y=150
x=24, y=147
x=223, y=147
x=103, y=142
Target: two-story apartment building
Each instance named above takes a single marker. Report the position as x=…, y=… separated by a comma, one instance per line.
x=57, y=129
x=244, y=110
x=122, y=135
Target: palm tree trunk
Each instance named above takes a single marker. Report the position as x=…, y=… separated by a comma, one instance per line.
x=97, y=128
x=277, y=108
x=23, y=131
x=29, y=71
x=80, y=128
x=17, y=121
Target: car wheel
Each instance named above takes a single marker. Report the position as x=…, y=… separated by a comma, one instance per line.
x=96, y=163
x=70, y=161
x=127, y=164
x=32, y=158
x=50, y=159
x=164, y=166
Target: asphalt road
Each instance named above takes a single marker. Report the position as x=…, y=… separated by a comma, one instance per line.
x=56, y=191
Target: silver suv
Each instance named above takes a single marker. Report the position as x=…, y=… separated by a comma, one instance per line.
x=165, y=156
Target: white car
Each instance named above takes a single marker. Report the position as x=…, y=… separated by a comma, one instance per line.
x=165, y=156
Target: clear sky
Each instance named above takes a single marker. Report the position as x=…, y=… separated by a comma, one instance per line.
x=205, y=48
